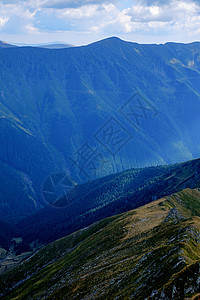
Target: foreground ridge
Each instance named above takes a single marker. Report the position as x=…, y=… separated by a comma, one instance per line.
x=152, y=252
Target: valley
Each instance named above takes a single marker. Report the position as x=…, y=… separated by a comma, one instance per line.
x=59, y=109
x=99, y=171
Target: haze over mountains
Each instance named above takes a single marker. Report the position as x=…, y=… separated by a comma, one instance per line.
x=53, y=45
x=125, y=104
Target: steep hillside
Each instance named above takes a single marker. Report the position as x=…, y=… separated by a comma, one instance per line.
x=7, y=232
x=108, y=196
x=152, y=252
x=17, y=196
x=95, y=110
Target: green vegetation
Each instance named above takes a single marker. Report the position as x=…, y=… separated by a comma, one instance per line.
x=109, y=196
x=152, y=252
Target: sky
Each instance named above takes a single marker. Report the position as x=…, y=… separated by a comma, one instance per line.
x=81, y=22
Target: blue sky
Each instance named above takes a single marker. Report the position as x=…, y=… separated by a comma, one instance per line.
x=81, y=22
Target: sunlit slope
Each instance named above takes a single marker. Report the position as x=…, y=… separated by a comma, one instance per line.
x=141, y=254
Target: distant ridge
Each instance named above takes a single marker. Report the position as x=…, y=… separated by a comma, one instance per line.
x=55, y=46
x=51, y=45
x=6, y=45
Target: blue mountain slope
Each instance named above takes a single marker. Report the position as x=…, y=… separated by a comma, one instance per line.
x=95, y=110
x=106, y=197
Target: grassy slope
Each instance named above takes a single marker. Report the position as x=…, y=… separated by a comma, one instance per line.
x=132, y=255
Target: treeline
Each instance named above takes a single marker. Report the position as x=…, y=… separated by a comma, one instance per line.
x=106, y=197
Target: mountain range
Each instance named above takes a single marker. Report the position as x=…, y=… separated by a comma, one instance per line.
x=92, y=111
x=52, y=45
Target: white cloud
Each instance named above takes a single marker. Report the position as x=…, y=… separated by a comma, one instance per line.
x=147, y=18
x=79, y=13
x=3, y=21
x=174, y=10
x=60, y=4
x=31, y=29
x=55, y=4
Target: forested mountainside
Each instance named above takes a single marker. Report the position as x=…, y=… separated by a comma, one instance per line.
x=106, y=197
x=92, y=111
x=151, y=252
x=97, y=200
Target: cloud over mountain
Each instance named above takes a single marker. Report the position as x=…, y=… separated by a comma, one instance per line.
x=82, y=21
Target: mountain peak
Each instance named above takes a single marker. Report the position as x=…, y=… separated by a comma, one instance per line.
x=109, y=40
x=113, y=38
x=113, y=41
